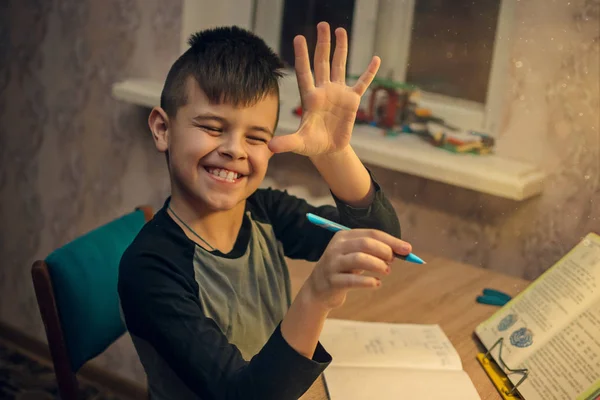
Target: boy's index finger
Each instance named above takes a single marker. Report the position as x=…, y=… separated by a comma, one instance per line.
x=302, y=64
x=367, y=77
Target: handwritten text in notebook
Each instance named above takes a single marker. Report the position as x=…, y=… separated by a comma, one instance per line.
x=391, y=361
x=394, y=345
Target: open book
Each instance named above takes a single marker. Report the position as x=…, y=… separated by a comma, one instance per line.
x=552, y=329
x=385, y=361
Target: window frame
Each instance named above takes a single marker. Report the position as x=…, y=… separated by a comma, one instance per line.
x=372, y=23
x=397, y=16
x=362, y=42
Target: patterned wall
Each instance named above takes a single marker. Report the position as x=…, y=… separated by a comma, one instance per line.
x=72, y=158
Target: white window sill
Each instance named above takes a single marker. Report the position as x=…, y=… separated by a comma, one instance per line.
x=489, y=174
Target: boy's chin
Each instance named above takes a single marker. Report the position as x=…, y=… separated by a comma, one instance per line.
x=220, y=205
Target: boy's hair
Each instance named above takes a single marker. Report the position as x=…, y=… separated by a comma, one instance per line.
x=231, y=65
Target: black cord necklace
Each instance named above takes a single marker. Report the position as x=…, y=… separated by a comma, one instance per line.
x=190, y=229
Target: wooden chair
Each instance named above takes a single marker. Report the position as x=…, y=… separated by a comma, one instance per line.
x=76, y=290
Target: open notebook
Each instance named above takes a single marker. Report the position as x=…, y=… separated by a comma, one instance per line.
x=385, y=361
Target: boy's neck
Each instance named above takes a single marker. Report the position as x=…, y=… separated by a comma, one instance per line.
x=219, y=229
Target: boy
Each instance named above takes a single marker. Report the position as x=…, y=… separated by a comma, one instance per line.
x=204, y=288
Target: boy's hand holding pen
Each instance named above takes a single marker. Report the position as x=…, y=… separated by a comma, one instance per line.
x=335, y=227
x=349, y=254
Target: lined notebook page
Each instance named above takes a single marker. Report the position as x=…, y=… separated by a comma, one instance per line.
x=375, y=344
x=355, y=383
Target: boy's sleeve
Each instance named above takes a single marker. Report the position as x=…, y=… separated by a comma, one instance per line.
x=301, y=239
x=161, y=306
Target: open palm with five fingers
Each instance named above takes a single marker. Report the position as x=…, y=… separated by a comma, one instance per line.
x=329, y=105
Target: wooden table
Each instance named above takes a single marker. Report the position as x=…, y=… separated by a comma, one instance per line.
x=441, y=292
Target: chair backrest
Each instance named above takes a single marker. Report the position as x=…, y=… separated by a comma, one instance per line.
x=76, y=288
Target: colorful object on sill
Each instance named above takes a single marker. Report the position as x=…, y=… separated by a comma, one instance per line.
x=493, y=297
x=298, y=111
x=392, y=106
x=389, y=103
x=392, y=133
x=471, y=142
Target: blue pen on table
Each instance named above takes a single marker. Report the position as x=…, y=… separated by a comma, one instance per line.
x=335, y=227
x=493, y=297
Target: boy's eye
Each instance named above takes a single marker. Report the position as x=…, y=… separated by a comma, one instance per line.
x=256, y=139
x=211, y=128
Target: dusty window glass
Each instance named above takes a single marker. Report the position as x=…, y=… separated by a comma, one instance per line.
x=452, y=46
x=300, y=17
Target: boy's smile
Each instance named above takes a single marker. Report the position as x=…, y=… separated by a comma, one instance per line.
x=218, y=153
x=224, y=175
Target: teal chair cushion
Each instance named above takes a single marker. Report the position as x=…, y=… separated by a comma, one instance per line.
x=84, y=274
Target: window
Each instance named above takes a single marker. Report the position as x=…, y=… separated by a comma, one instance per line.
x=456, y=51
x=278, y=21
x=451, y=47
x=300, y=17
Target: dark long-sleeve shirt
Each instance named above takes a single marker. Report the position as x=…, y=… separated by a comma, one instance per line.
x=206, y=325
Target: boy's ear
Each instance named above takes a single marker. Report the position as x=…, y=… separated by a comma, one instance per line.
x=159, y=125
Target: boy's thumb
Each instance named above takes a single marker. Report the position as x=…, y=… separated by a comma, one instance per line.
x=281, y=144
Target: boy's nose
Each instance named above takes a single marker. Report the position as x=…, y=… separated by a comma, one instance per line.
x=233, y=148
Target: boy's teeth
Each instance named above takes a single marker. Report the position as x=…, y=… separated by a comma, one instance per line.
x=223, y=173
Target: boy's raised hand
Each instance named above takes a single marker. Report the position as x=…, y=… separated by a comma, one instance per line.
x=329, y=105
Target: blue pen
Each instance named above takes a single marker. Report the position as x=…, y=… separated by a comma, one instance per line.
x=493, y=297
x=334, y=227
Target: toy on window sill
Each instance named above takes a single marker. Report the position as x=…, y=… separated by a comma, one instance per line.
x=388, y=104
x=456, y=142
x=391, y=104
x=396, y=102
x=393, y=107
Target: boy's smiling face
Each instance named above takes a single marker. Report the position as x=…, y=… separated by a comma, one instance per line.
x=218, y=153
